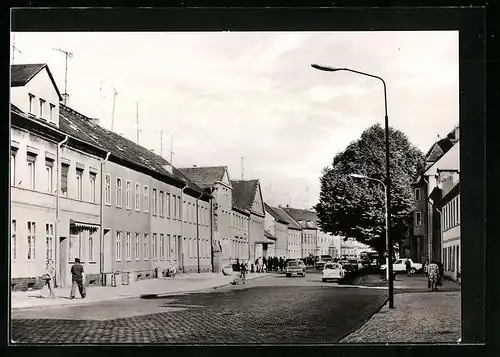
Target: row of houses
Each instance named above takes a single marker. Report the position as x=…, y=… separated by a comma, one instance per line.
x=436, y=216
x=79, y=190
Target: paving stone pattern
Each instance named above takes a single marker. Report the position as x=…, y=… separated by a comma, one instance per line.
x=280, y=314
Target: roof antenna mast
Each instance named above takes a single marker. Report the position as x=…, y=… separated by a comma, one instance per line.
x=242, y=170
x=67, y=55
x=171, y=148
x=137, y=120
x=14, y=48
x=115, y=93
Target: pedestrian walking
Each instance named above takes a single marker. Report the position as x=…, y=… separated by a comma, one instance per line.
x=48, y=277
x=441, y=273
x=243, y=272
x=433, y=273
x=408, y=267
x=78, y=279
x=426, y=268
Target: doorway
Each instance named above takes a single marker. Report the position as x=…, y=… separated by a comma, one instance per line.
x=63, y=261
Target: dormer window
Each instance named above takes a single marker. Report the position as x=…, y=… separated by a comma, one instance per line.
x=52, y=109
x=42, y=104
x=32, y=100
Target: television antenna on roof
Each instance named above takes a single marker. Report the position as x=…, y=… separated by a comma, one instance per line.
x=15, y=49
x=68, y=55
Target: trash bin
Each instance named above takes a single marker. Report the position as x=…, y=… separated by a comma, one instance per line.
x=159, y=273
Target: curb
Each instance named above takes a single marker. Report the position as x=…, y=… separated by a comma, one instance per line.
x=386, y=300
x=140, y=296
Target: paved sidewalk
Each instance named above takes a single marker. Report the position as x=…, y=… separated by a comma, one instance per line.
x=182, y=283
x=405, y=282
x=419, y=315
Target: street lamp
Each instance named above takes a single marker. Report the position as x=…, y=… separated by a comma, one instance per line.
x=387, y=178
x=386, y=214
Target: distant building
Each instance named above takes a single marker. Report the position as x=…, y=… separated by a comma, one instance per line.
x=308, y=222
x=294, y=234
x=352, y=248
x=277, y=227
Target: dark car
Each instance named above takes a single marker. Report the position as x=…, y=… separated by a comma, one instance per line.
x=346, y=265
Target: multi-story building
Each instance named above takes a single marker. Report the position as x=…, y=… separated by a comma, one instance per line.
x=277, y=228
x=230, y=223
x=350, y=247
x=308, y=222
x=55, y=191
x=425, y=242
x=247, y=197
x=153, y=216
x=294, y=234
x=328, y=244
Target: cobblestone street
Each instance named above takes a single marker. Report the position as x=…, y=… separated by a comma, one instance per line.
x=269, y=310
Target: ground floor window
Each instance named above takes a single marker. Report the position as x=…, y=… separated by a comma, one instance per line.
x=49, y=240
x=162, y=247
x=13, y=232
x=31, y=241
x=118, y=246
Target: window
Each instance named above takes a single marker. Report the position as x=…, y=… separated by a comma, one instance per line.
x=458, y=210
x=168, y=204
x=31, y=159
x=153, y=203
x=188, y=212
x=184, y=211
x=13, y=168
x=137, y=246
x=162, y=204
x=146, y=246
x=49, y=239
x=13, y=232
x=119, y=196
x=162, y=247
x=174, y=247
x=169, y=252
x=32, y=100
x=174, y=213
x=118, y=246
x=146, y=199
x=128, y=195
x=128, y=247
x=137, y=197
x=107, y=189
x=92, y=178
x=79, y=184
x=418, y=219
x=178, y=207
x=155, y=247
x=52, y=110
x=91, y=246
x=42, y=104
x=31, y=240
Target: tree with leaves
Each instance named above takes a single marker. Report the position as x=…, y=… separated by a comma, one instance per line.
x=355, y=208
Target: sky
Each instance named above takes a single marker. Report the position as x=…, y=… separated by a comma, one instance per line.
x=224, y=96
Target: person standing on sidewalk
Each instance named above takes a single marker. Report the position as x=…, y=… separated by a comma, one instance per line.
x=408, y=267
x=78, y=279
x=243, y=271
x=48, y=277
x=433, y=273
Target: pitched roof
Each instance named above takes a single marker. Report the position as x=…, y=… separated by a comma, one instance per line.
x=78, y=125
x=204, y=177
x=268, y=234
x=291, y=222
x=244, y=193
x=307, y=219
x=274, y=214
x=21, y=74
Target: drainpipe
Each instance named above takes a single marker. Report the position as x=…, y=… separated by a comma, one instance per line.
x=181, y=209
x=212, y=230
x=58, y=198
x=198, y=233
x=101, y=236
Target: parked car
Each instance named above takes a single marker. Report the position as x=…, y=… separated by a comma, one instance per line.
x=295, y=267
x=400, y=266
x=320, y=264
x=333, y=271
x=326, y=257
x=354, y=264
x=346, y=265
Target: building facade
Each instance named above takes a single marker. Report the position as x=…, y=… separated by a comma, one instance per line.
x=308, y=222
x=294, y=234
x=277, y=228
x=55, y=196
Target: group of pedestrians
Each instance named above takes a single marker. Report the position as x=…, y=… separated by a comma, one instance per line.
x=77, y=280
x=263, y=264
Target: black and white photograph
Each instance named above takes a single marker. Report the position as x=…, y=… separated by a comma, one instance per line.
x=233, y=187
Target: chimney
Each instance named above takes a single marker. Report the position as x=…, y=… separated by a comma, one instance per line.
x=95, y=121
x=168, y=167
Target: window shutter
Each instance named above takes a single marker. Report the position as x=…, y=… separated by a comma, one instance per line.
x=64, y=178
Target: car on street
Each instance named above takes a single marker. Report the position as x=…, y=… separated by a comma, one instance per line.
x=346, y=265
x=333, y=271
x=319, y=265
x=400, y=266
x=295, y=267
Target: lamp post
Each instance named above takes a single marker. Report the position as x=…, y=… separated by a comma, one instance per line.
x=387, y=178
x=386, y=215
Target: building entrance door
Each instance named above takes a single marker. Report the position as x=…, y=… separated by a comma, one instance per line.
x=63, y=262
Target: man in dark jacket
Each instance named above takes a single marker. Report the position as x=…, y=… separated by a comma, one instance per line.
x=77, y=278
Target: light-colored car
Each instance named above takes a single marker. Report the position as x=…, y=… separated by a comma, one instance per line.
x=400, y=266
x=333, y=271
x=295, y=267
